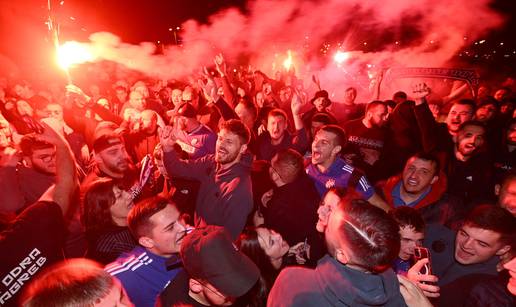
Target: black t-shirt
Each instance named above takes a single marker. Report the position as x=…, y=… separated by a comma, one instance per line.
x=369, y=141
x=176, y=293
x=33, y=242
x=344, y=113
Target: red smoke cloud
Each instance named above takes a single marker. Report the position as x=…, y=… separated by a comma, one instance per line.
x=270, y=26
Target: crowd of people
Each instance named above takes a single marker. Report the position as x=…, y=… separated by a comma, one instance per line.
x=241, y=189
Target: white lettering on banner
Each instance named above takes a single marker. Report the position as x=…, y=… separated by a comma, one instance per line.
x=21, y=274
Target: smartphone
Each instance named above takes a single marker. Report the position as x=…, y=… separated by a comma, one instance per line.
x=420, y=253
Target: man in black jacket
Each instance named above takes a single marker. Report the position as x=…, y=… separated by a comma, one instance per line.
x=291, y=207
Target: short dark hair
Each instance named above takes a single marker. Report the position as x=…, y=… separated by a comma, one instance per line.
x=373, y=104
x=408, y=217
x=426, y=156
x=138, y=219
x=29, y=143
x=339, y=191
x=277, y=112
x=390, y=103
x=74, y=282
x=291, y=163
x=467, y=102
x=321, y=118
x=496, y=219
x=237, y=127
x=371, y=234
x=508, y=177
x=487, y=101
x=399, y=94
x=340, y=134
x=351, y=89
x=472, y=123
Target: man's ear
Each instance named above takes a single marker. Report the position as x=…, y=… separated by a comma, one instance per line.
x=503, y=250
x=27, y=162
x=341, y=256
x=146, y=242
x=434, y=180
x=497, y=189
x=335, y=151
x=195, y=286
x=243, y=148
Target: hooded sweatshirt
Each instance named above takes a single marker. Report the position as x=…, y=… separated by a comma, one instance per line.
x=436, y=191
x=436, y=206
x=334, y=284
x=225, y=195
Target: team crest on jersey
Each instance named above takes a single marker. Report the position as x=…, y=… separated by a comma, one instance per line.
x=330, y=183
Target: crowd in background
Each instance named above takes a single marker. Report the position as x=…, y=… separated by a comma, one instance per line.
x=242, y=189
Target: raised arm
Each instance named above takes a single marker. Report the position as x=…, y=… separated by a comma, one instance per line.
x=66, y=183
x=229, y=93
x=425, y=119
x=195, y=169
x=300, y=141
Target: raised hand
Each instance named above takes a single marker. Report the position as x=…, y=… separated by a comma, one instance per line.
x=316, y=81
x=296, y=104
x=220, y=64
x=74, y=89
x=301, y=251
x=167, y=138
x=422, y=280
x=209, y=90
x=50, y=133
x=420, y=91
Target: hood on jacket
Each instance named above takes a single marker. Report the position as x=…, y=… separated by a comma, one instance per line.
x=343, y=285
x=436, y=192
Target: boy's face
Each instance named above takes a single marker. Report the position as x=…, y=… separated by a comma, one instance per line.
x=410, y=238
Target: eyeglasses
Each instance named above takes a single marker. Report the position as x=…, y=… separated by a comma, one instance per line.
x=46, y=158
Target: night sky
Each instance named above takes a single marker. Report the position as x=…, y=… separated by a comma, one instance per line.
x=22, y=25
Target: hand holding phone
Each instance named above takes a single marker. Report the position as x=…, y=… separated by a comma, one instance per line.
x=422, y=253
x=421, y=274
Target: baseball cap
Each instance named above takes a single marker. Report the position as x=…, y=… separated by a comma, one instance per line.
x=105, y=141
x=208, y=254
x=105, y=127
x=187, y=110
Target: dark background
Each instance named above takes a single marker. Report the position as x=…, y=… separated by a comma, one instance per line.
x=26, y=42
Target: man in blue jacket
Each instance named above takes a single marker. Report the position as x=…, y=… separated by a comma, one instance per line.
x=155, y=223
x=225, y=194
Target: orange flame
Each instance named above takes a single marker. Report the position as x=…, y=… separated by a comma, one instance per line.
x=288, y=61
x=72, y=53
